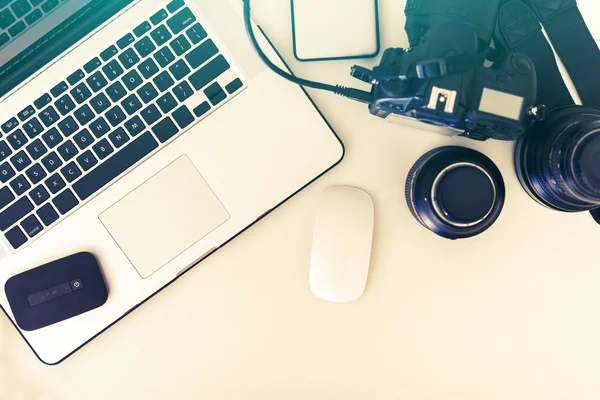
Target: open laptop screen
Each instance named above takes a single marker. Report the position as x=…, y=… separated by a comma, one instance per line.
x=35, y=32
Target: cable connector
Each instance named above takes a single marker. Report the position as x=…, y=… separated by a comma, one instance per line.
x=354, y=94
x=362, y=74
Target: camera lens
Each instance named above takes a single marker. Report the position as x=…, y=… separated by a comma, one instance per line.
x=455, y=192
x=558, y=163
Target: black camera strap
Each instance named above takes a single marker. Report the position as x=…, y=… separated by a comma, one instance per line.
x=519, y=30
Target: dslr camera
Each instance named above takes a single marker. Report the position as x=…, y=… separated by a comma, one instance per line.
x=452, y=76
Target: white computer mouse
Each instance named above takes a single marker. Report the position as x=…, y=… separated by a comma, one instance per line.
x=342, y=240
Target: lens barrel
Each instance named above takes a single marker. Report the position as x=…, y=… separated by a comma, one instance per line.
x=558, y=163
x=455, y=192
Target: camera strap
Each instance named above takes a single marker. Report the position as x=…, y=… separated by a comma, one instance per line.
x=519, y=30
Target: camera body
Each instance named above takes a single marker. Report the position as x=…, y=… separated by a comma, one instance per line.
x=451, y=77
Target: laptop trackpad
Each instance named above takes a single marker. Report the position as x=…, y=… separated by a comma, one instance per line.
x=164, y=216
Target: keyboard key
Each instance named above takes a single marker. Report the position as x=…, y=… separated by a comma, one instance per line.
x=100, y=103
x=16, y=237
x=175, y=5
x=165, y=130
x=20, y=8
x=135, y=126
x=166, y=103
x=6, y=196
x=49, y=116
x=20, y=185
x=202, y=109
x=196, y=33
x=181, y=20
x=75, y=77
x=145, y=47
x=26, y=113
x=201, y=54
x=47, y=214
x=147, y=93
x=115, y=116
x=131, y=104
x=99, y=127
x=55, y=183
x=59, y=89
x=161, y=35
x=113, y=70
x=209, y=72
x=164, y=56
x=52, y=138
x=42, y=101
x=132, y=80
x=51, y=162
x=10, y=125
x=109, y=53
x=148, y=68
x=17, y=28
x=39, y=195
x=115, y=166
x=67, y=150
x=83, y=139
x=20, y=161
x=87, y=160
x=179, y=70
x=118, y=137
x=49, y=5
x=64, y=105
x=5, y=151
x=71, y=172
x=141, y=29
x=183, y=91
x=36, y=174
x=81, y=93
x=151, y=114
x=92, y=65
x=215, y=93
x=158, y=17
x=36, y=149
x=180, y=45
x=17, y=139
x=32, y=226
x=129, y=58
x=84, y=114
x=68, y=126
x=6, y=172
x=163, y=81
x=33, y=16
x=183, y=117
x=65, y=202
x=234, y=86
x=6, y=19
x=125, y=41
x=15, y=213
x=103, y=149
x=97, y=81
x=33, y=128
x=116, y=91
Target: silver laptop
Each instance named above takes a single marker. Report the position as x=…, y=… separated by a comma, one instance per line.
x=145, y=132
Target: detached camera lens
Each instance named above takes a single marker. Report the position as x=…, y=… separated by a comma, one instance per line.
x=559, y=162
x=455, y=192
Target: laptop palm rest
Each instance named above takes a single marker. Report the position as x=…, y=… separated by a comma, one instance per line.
x=164, y=216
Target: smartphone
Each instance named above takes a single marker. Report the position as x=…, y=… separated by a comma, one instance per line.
x=335, y=29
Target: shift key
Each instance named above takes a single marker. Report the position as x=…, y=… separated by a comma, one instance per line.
x=115, y=166
x=15, y=213
x=182, y=20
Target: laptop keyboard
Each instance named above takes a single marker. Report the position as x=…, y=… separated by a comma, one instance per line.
x=118, y=108
x=16, y=16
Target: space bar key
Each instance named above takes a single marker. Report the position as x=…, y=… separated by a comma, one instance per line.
x=115, y=166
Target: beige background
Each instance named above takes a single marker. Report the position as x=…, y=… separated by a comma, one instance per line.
x=511, y=314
